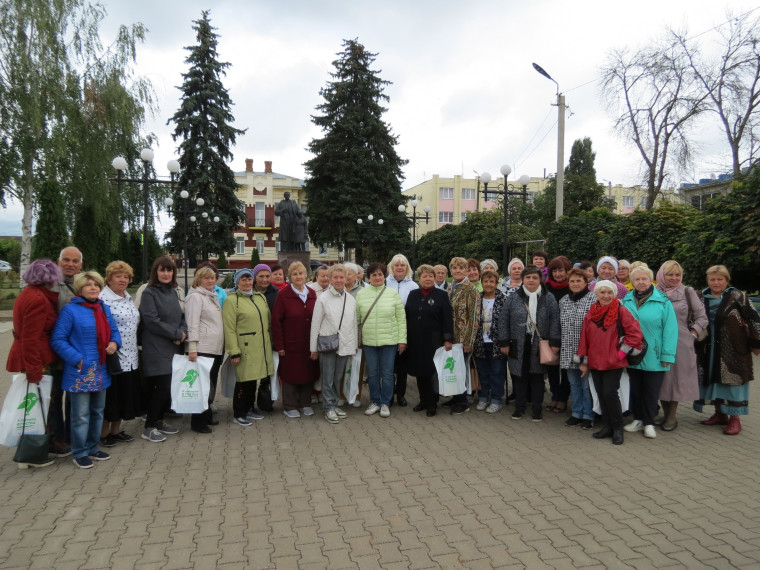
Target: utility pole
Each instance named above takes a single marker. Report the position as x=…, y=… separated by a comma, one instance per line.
x=560, y=156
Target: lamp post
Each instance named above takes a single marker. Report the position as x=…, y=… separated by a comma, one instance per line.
x=560, y=177
x=415, y=219
x=369, y=228
x=505, y=190
x=186, y=216
x=120, y=164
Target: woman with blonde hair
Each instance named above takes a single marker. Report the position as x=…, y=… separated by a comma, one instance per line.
x=725, y=356
x=657, y=319
x=84, y=334
x=291, y=331
x=400, y=280
x=680, y=383
x=205, y=334
x=123, y=395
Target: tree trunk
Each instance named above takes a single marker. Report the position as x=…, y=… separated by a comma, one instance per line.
x=26, y=220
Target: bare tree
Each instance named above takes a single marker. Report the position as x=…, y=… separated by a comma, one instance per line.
x=732, y=83
x=652, y=95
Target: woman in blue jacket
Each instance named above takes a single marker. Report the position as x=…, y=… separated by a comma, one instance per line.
x=657, y=319
x=84, y=334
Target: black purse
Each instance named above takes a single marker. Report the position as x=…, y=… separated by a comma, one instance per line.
x=32, y=448
x=633, y=359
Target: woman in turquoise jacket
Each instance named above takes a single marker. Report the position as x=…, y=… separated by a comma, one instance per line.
x=658, y=322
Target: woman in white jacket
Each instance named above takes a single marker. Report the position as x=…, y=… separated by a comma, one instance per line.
x=400, y=280
x=334, y=314
x=205, y=334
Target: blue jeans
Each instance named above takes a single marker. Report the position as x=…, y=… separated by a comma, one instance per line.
x=492, y=375
x=86, y=421
x=379, y=360
x=583, y=407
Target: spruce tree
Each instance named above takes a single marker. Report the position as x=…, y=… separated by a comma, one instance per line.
x=355, y=170
x=203, y=125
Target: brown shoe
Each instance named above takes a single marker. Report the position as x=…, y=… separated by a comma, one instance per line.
x=734, y=426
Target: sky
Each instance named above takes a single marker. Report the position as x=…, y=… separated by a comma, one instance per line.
x=464, y=96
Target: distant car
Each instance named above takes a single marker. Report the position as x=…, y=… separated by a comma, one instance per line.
x=5, y=266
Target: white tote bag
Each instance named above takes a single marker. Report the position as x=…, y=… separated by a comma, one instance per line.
x=17, y=400
x=351, y=377
x=274, y=385
x=191, y=383
x=624, y=393
x=451, y=368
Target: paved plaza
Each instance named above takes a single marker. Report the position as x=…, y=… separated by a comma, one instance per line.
x=471, y=491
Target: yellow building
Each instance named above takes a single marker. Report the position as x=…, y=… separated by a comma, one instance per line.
x=452, y=199
x=260, y=192
x=630, y=198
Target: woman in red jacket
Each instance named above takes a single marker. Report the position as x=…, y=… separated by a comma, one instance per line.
x=601, y=351
x=34, y=314
x=291, y=330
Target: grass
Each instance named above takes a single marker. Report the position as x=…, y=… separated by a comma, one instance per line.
x=7, y=298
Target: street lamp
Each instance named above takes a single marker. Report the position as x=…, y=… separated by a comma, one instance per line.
x=120, y=164
x=560, y=177
x=184, y=194
x=370, y=228
x=415, y=219
x=504, y=190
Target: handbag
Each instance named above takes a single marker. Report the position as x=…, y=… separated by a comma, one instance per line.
x=633, y=359
x=546, y=355
x=703, y=333
x=330, y=342
x=364, y=320
x=32, y=448
x=113, y=365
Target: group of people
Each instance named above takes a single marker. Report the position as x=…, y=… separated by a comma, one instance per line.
x=579, y=325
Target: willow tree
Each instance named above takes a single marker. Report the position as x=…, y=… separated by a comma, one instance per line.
x=58, y=117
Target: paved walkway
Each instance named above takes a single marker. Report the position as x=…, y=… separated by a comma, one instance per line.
x=474, y=491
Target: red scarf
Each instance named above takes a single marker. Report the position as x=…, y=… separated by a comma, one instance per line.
x=558, y=285
x=426, y=292
x=604, y=315
x=102, y=328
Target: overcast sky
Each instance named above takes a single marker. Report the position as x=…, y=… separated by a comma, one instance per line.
x=464, y=95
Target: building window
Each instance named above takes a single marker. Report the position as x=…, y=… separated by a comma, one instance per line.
x=277, y=247
x=446, y=193
x=463, y=216
x=445, y=217
x=628, y=201
x=468, y=193
x=643, y=202
x=240, y=245
x=260, y=220
x=260, y=245
x=323, y=250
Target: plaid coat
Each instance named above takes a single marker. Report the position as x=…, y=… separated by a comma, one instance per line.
x=465, y=307
x=498, y=335
x=571, y=315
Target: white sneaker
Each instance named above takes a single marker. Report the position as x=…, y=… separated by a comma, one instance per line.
x=341, y=403
x=307, y=411
x=372, y=409
x=385, y=412
x=292, y=413
x=481, y=406
x=331, y=416
x=635, y=425
x=340, y=413
x=649, y=432
x=493, y=408
x=357, y=404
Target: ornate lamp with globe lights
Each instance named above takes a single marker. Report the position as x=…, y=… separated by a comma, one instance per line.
x=369, y=228
x=415, y=219
x=502, y=192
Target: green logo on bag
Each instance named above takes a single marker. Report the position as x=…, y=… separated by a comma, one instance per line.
x=449, y=364
x=190, y=377
x=28, y=402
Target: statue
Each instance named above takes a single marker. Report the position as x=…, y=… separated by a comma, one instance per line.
x=300, y=232
x=288, y=210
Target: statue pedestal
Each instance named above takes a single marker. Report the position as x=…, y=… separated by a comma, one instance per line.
x=285, y=258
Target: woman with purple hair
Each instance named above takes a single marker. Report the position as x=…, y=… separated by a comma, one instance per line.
x=34, y=315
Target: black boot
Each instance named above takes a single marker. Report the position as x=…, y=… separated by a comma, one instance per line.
x=617, y=436
x=606, y=431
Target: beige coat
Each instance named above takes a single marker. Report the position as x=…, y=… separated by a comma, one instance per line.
x=205, y=328
x=326, y=318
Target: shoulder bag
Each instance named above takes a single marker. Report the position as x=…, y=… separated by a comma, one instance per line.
x=32, y=448
x=547, y=357
x=633, y=359
x=329, y=342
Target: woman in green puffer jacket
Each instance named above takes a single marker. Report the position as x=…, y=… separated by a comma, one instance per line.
x=382, y=326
